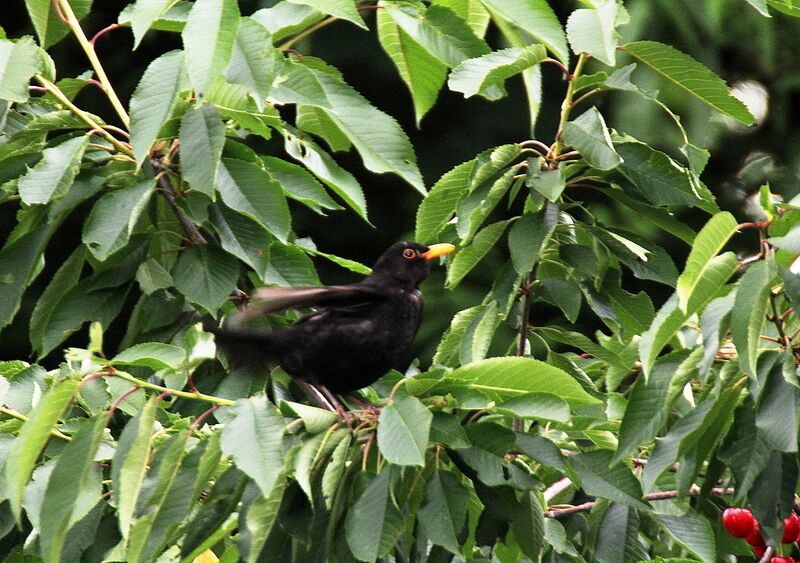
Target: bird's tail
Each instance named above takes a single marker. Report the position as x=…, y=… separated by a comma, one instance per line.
x=243, y=346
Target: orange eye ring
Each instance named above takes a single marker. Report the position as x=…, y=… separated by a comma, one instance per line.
x=409, y=253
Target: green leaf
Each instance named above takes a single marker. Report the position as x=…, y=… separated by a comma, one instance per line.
x=313, y=449
x=154, y=99
x=299, y=184
x=331, y=478
x=113, y=218
x=549, y=183
x=661, y=180
x=252, y=436
x=374, y=522
x=439, y=31
x=326, y=169
x=486, y=75
x=315, y=419
x=597, y=479
x=64, y=280
x=54, y=173
x=208, y=40
x=537, y=18
x=693, y=532
x=254, y=62
x=710, y=240
x=748, y=315
x=32, y=438
x=49, y=27
x=789, y=7
x=467, y=258
x=257, y=520
x=659, y=217
x=447, y=352
x=592, y=31
x=471, y=11
x=285, y=19
x=439, y=205
x=289, y=265
x=403, y=429
x=250, y=190
x=314, y=120
x=246, y=239
x=71, y=478
x=376, y=135
x=537, y=405
x=646, y=411
x=143, y=15
x=775, y=416
x=688, y=74
x=423, y=73
x=155, y=355
x=19, y=61
x=529, y=235
x=342, y=9
x=670, y=318
x=130, y=463
x=206, y=275
x=528, y=525
x=443, y=515
x=474, y=209
x=618, y=536
x=761, y=6
x=589, y=136
x=202, y=136
x=515, y=376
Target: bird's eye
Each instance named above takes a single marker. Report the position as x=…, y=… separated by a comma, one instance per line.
x=409, y=253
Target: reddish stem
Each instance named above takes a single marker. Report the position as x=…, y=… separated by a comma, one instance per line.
x=121, y=398
x=59, y=13
x=103, y=31
x=203, y=416
x=560, y=65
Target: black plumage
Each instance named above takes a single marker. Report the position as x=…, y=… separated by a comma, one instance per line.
x=356, y=333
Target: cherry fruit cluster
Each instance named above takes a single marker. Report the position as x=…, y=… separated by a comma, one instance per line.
x=740, y=523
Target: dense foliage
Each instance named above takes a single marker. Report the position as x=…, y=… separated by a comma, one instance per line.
x=618, y=433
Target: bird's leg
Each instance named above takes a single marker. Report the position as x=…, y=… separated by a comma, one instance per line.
x=314, y=395
x=343, y=414
x=376, y=411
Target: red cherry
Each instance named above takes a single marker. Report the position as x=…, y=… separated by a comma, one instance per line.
x=754, y=537
x=738, y=521
x=791, y=529
x=759, y=550
x=781, y=560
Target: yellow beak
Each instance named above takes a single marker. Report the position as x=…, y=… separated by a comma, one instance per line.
x=436, y=250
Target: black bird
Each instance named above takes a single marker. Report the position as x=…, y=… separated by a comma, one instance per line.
x=357, y=332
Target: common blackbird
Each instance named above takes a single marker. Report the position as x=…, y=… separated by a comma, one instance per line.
x=357, y=332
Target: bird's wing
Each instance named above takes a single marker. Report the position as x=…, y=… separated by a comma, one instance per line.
x=275, y=299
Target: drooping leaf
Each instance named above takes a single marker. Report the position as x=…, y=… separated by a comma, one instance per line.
x=32, y=439
x=592, y=31
x=515, y=376
x=142, y=16
x=243, y=237
x=693, y=532
x=423, y=73
x=443, y=514
x=113, y=218
x=403, y=430
x=208, y=40
x=688, y=74
x=535, y=17
x=254, y=62
x=618, y=536
x=299, y=184
x=439, y=205
x=471, y=11
x=342, y=9
x=19, y=61
x=206, y=275
x=486, y=75
x=467, y=258
x=709, y=241
x=597, y=479
x=285, y=19
x=49, y=27
x=155, y=355
x=439, y=31
x=250, y=190
x=589, y=136
x=154, y=99
x=53, y=175
x=202, y=136
x=252, y=436
x=374, y=522
x=748, y=315
x=529, y=234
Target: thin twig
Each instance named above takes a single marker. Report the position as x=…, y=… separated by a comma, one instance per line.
x=303, y=34
x=539, y=144
x=185, y=394
x=19, y=416
x=768, y=553
x=559, y=64
x=202, y=417
x=103, y=31
x=659, y=495
x=191, y=230
x=587, y=95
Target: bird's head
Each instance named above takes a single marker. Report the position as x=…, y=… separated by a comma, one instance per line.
x=409, y=262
